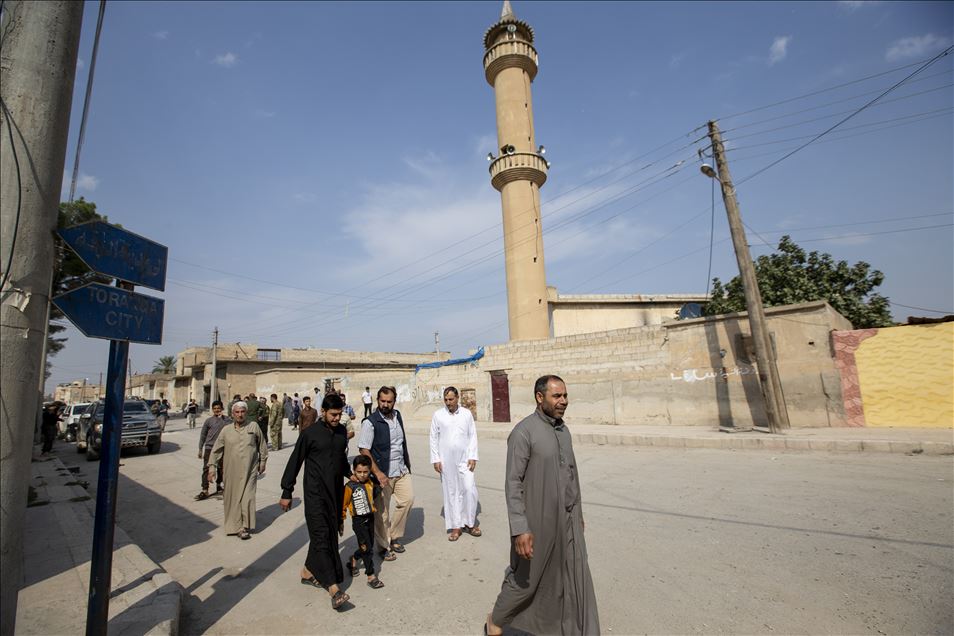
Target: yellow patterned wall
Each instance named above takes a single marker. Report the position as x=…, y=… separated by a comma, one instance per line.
x=907, y=376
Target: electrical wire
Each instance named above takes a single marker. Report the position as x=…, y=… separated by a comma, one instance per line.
x=16, y=220
x=711, y=238
x=943, y=53
x=86, y=100
x=933, y=311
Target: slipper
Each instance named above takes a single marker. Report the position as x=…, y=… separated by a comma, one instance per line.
x=474, y=532
x=339, y=599
x=454, y=535
x=312, y=581
x=388, y=555
x=353, y=567
x=376, y=584
x=244, y=535
x=397, y=547
x=202, y=495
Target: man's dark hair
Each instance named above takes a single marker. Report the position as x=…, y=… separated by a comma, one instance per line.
x=453, y=390
x=331, y=401
x=236, y=397
x=361, y=460
x=389, y=390
x=274, y=396
x=218, y=403
x=306, y=398
x=540, y=386
x=367, y=388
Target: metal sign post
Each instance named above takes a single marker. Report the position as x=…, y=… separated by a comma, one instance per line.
x=120, y=316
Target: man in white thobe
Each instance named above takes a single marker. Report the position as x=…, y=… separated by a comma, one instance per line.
x=454, y=456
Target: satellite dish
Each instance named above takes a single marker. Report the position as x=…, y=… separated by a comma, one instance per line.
x=690, y=310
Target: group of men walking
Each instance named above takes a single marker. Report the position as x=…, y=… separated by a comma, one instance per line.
x=547, y=587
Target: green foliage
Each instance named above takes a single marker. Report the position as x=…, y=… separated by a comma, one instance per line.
x=165, y=364
x=791, y=276
x=69, y=271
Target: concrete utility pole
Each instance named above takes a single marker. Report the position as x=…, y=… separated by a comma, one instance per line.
x=775, y=408
x=37, y=68
x=215, y=345
x=437, y=345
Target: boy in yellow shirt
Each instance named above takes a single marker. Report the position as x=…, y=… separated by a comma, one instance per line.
x=359, y=499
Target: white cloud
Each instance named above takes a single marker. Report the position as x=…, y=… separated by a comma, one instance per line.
x=485, y=144
x=916, y=46
x=161, y=35
x=80, y=64
x=779, y=49
x=676, y=60
x=87, y=182
x=305, y=197
x=227, y=59
x=853, y=5
x=264, y=114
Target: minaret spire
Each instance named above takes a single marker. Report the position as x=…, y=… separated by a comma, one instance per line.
x=518, y=173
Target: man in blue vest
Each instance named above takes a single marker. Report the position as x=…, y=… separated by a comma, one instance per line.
x=382, y=439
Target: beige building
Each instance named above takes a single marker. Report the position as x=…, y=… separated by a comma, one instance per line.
x=589, y=313
x=247, y=368
x=77, y=391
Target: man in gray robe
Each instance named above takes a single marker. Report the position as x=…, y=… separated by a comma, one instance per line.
x=547, y=588
x=242, y=449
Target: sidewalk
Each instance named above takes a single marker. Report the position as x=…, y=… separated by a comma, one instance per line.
x=57, y=546
x=929, y=441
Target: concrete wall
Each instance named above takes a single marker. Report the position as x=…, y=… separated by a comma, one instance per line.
x=694, y=372
x=572, y=315
x=898, y=376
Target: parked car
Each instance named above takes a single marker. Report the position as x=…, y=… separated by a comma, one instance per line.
x=139, y=428
x=70, y=422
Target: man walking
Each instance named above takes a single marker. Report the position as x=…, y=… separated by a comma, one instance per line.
x=275, y=422
x=547, y=588
x=192, y=411
x=254, y=408
x=382, y=439
x=309, y=415
x=207, y=436
x=321, y=448
x=454, y=456
x=162, y=414
x=366, y=400
x=287, y=407
x=243, y=452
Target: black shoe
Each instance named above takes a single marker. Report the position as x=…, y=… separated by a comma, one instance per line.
x=201, y=496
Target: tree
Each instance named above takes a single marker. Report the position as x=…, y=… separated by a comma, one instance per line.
x=69, y=271
x=790, y=276
x=165, y=364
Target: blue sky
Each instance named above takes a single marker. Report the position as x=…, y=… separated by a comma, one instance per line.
x=319, y=171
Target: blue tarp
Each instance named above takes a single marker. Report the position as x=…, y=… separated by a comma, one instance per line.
x=446, y=363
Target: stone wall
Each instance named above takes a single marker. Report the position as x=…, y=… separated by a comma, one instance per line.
x=693, y=372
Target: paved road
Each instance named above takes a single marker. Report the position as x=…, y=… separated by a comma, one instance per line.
x=680, y=541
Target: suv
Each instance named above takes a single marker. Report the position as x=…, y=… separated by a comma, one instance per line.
x=139, y=428
x=70, y=422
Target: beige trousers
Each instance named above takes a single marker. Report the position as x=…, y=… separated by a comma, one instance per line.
x=389, y=526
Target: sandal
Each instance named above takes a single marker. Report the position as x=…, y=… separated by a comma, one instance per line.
x=388, y=555
x=244, y=535
x=474, y=532
x=201, y=496
x=312, y=581
x=454, y=535
x=397, y=547
x=353, y=567
x=339, y=599
x=375, y=583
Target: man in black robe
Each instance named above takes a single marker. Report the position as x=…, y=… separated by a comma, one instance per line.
x=548, y=588
x=322, y=448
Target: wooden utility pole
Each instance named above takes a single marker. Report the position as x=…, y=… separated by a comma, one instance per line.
x=37, y=67
x=775, y=408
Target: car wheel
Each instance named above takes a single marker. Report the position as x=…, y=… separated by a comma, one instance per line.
x=91, y=454
x=153, y=447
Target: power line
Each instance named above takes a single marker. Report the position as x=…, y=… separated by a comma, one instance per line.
x=853, y=114
x=86, y=100
x=933, y=311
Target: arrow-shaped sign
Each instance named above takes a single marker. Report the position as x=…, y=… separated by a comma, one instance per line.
x=101, y=311
x=118, y=253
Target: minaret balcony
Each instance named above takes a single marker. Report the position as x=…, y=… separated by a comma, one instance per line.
x=520, y=166
x=510, y=54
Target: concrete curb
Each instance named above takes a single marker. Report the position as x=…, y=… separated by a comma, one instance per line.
x=144, y=598
x=746, y=441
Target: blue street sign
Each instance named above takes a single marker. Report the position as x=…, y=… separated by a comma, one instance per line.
x=118, y=253
x=101, y=311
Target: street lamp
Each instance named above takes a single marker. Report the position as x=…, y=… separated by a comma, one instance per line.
x=709, y=172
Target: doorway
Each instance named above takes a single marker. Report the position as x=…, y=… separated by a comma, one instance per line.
x=500, y=394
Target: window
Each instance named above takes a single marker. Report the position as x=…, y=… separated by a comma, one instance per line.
x=270, y=355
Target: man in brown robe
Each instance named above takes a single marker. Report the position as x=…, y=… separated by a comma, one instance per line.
x=243, y=451
x=547, y=588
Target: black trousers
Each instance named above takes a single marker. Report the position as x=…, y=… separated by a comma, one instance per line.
x=367, y=411
x=205, y=471
x=363, y=526
x=47, y=435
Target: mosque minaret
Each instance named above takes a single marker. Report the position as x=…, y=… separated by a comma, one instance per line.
x=518, y=171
